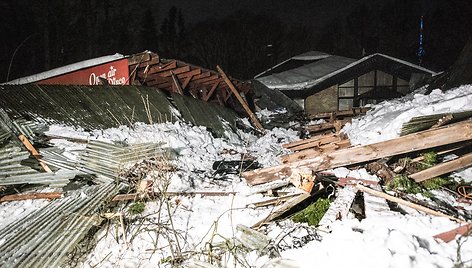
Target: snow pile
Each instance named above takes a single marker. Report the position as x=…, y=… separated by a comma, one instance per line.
x=385, y=121
x=383, y=241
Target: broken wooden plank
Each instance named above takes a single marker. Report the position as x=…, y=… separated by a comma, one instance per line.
x=30, y=196
x=413, y=142
x=298, y=156
x=319, y=138
x=284, y=208
x=134, y=196
x=34, y=153
x=445, y=150
x=443, y=168
x=273, y=201
x=406, y=203
x=316, y=151
x=315, y=143
x=448, y=236
x=252, y=116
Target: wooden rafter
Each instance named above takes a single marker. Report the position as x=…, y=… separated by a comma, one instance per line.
x=177, y=76
x=212, y=90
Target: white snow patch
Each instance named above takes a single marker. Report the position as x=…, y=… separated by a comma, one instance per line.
x=385, y=121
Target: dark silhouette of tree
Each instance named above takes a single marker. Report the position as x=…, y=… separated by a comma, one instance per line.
x=172, y=34
x=148, y=33
x=240, y=43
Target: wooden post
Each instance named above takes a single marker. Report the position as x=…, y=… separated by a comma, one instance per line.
x=443, y=168
x=33, y=151
x=253, y=117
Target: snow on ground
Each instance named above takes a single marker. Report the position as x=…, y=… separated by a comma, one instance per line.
x=385, y=120
x=381, y=240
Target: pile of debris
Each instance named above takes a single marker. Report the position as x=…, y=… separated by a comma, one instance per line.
x=407, y=165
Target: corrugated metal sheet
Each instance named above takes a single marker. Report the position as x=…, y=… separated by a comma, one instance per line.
x=43, y=238
x=98, y=107
x=206, y=114
x=105, y=160
x=92, y=107
x=54, y=179
x=108, y=159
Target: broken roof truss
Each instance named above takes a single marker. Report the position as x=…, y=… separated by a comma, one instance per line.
x=149, y=69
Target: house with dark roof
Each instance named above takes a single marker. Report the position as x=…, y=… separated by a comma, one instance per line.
x=321, y=82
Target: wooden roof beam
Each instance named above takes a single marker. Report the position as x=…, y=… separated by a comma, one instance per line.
x=161, y=68
x=202, y=80
x=175, y=71
x=212, y=90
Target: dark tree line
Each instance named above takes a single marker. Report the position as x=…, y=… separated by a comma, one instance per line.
x=51, y=33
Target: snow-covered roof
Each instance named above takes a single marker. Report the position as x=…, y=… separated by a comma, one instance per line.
x=311, y=74
x=65, y=69
x=309, y=56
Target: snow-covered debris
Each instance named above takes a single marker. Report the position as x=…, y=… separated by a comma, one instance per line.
x=385, y=120
x=205, y=227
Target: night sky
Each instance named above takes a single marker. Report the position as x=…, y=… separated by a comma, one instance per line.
x=234, y=34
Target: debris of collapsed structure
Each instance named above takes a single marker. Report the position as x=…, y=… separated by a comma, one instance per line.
x=100, y=167
x=322, y=152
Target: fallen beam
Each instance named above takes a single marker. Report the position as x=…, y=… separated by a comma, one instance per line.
x=30, y=196
x=443, y=168
x=243, y=103
x=135, y=196
x=406, y=203
x=355, y=155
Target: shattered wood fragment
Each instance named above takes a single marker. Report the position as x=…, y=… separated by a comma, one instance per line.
x=354, y=155
x=303, y=179
x=339, y=208
x=448, y=236
x=268, y=186
x=406, y=203
x=443, y=168
x=273, y=201
x=284, y=208
x=382, y=170
x=30, y=196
